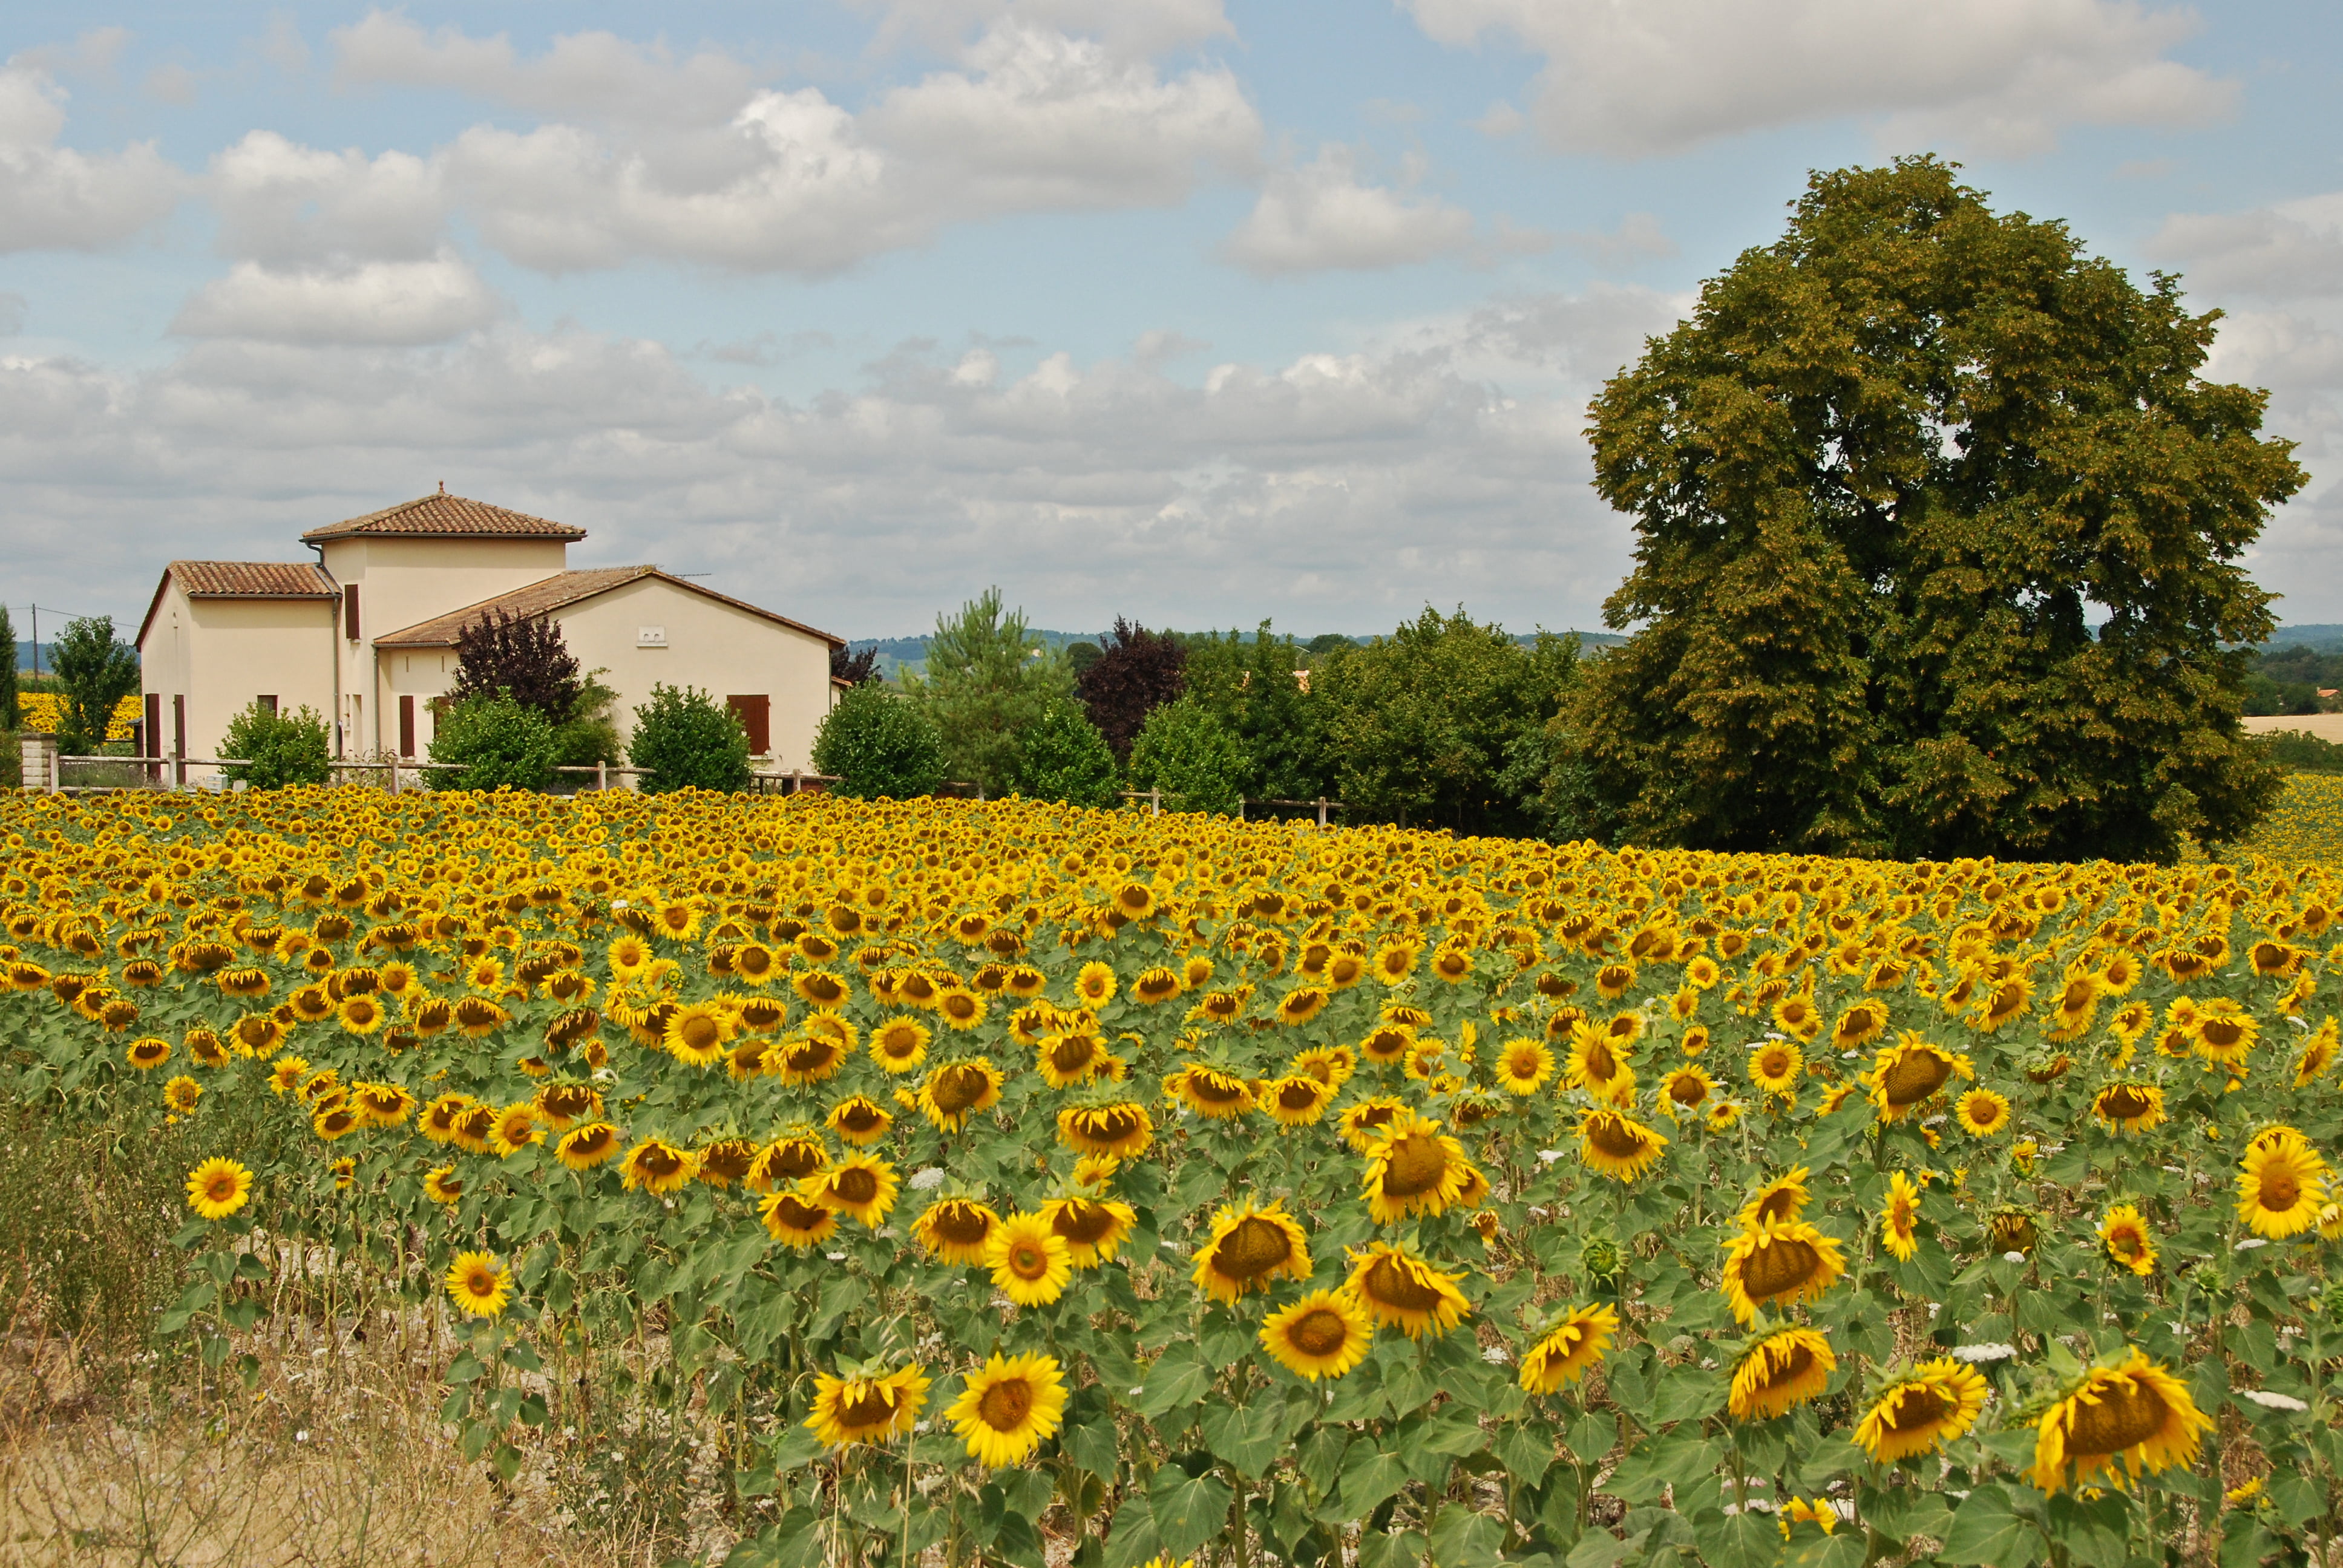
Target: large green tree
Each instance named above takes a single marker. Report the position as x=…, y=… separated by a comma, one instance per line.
x=1937, y=540
x=94, y=673
x=989, y=680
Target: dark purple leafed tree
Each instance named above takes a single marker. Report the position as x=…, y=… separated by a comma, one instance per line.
x=526, y=658
x=1139, y=671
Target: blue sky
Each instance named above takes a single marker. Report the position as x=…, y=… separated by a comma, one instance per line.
x=1197, y=311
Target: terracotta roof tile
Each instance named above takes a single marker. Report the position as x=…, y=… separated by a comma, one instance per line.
x=446, y=516
x=559, y=592
x=252, y=579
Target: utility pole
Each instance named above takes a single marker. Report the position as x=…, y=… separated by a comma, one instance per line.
x=36, y=640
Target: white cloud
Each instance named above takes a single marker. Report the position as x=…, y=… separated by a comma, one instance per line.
x=2000, y=76
x=283, y=203
x=596, y=77
x=374, y=302
x=2291, y=251
x=1127, y=27
x=1318, y=217
x=54, y=198
x=1041, y=121
x=1293, y=489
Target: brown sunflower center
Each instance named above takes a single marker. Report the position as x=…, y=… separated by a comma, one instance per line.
x=1252, y=1247
x=700, y=1032
x=1688, y=1090
x=220, y=1188
x=1774, y=1063
x=1780, y=1267
x=660, y=1161
x=2223, y=1033
x=1028, y=1260
x=856, y=1184
x=1916, y=1076
x=1073, y=1052
x=1320, y=1331
x=1084, y=1223
x=961, y=1224
x=1415, y=1165
x=2280, y=1190
x=1917, y=1407
x=1781, y=1203
x=1391, y=1283
x=1600, y=1064
x=2125, y=1414
x=1215, y=1089
x=1006, y=1404
x=2123, y=1104
x=1299, y=1095
x=792, y=1160
x=1615, y=1137
x=872, y=1406
x=958, y=1087
x=1110, y=1125
x=796, y=1215
x=1786, y=1370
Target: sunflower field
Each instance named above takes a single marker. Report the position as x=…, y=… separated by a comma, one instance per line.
x=1013, y=1184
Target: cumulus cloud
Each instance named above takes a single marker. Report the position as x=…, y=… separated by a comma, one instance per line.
x=54, y=198
x=2293, y=251
x=374, y=302
x=1339, y=488
x=2000, y=76
x=1129, y=26
x=794, y=182
x=596, y=76
x=281, y=203
x=1318, y=217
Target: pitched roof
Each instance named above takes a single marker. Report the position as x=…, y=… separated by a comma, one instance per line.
x=240, y=579
x=252, y=579
x=560, y=591
x=444, y=517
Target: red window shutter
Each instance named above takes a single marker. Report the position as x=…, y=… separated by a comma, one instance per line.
x=406, y=726
x=154, y=737
x=350, y=612
x=179, y=726
x=756, y=715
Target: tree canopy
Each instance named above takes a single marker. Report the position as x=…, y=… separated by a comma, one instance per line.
x=989, y=680
x=1132, y=674
x=94, y=673
x=1937, y=540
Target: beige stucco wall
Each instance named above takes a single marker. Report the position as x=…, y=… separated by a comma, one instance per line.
x=220, y=654
x=403, y=582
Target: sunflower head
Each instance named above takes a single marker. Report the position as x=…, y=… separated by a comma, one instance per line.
x=2122, y=1419
x=1784, y=1370
x=478, y=1285
x=1324, y=1335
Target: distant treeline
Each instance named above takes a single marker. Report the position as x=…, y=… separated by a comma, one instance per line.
x=1083, y=648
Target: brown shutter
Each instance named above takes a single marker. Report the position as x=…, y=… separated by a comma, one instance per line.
x=179, y=725
x=406, y=726
x=154, y=738
x=350, y=612
x=756, y=715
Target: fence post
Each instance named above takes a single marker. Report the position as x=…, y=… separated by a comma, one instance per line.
x=1241, y=806
x=1155, y=802
x=56, y=770
x=1321, y=810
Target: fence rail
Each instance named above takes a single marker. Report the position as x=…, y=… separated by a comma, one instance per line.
x=45, y=773
x=1155, y=798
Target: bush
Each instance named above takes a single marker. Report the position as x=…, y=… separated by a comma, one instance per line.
x=689, y=742
x=279, y=749
x=1064, y=757
x=94, y=673
x=589, y=735
x=877, y=742
x=1190, y=755
x=492, y=742
x=2298, y=751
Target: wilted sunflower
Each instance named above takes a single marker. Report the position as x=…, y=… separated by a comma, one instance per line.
x=1413, y=1168
x=1982, y=1112
x=1899, y=1219
x=1783, y=1199
x=1123, y=1130
x=218, y=1188
x=584, y=1147
x=1935, y=1403
x=851, y=1409
x=861, y=1185
x=1776, y=1262
x=477, y=1284
x=1405, y=1292
x=2281, y=1185
x=1905, y=1074
x=1785, y=1369
x=1568, y=1348
x=1247, y=1248
x=956, y=1090
x=795, y=1222
x=1324, y=1335
x=955, y=1230
x=1031, y=1262
x=2124, y=1231
x=2129, y=1106
x=2131, y=1418
x=1616, y=1144
x=1092, y=1228
x=1009, y=1408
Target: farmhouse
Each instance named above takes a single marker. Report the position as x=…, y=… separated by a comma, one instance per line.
x=365, y=634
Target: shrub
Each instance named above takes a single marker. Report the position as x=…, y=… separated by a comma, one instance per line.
x=877, y=742
x=279, y=749
x=2299, y=751
x=525, y=659
x=492, y=742
x=1064, y=757
x=1136, y=672
x=689, y=741
x=94, y=673
x=1185, y=751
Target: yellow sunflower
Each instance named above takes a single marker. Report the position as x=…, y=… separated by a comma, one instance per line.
x=849, y=1409
x=1123, y=1130
x=1899, y=1221
x=2124, y=1231
x=587, y=1145
x=1523, y=1066
x=657, y=1167
x=1092, y=1228
x=1563, y=1355
x=1031, y=1262
x=697, y=1033
x=2281, y=1185
x=1774, y=1066
x=796, y=1222
x=1247, y=1248
x=859, y=1120
x=1405, y=1292
x=1776, y=1262
x=1783, y=1199
x=788, y=1160
x=1686, y=1092
x=1616, y=1144
x=1597, y=1065
x=861, y=1186
x=1095, y=985
x=1935, y=1403
x=1009, y=1408
x=1785, y=1369
x=1324, y=1335
x=955, y=1230
x=2128, y=1419
x=218, y=1187
x=1297, y=1100
x=956, y=1090
x=1905, y=1074
x=442, y=1186
x=1982, y=1112
x=1413, y=1168
x=2129, y=1106
x=899, y=1044
x=477, y=1284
